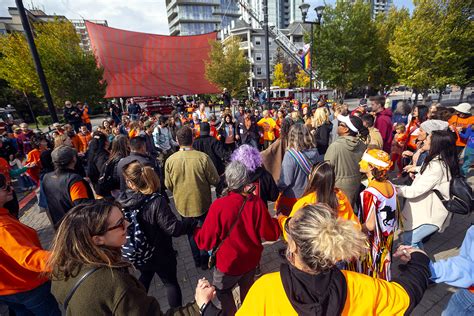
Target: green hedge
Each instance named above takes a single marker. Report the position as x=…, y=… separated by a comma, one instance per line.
x=46, y=120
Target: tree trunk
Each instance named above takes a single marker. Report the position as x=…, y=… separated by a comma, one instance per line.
x=440, y=95
x=415, y=91
x=462, y=94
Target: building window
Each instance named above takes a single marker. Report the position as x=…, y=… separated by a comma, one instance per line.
x=259, y=85
x=258, y=41
x=258, y=56
x=259, y=70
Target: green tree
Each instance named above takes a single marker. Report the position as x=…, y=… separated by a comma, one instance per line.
x=279, y=77
x=228, y=67
x=72, y=74
x=382, y=74
x=434, y=46
x=344, y=46
x=302, y=79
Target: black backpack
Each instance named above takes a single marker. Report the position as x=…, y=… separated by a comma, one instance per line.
x=106, y=182
x=461, y=199
x=137, y=249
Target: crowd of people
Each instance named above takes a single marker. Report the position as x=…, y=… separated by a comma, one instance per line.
x=330, y=172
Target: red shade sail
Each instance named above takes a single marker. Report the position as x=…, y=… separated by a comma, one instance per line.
x=141, y=64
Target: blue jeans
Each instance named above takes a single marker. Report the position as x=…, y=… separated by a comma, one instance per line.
x=468, y=160
x=38, y=301
x=461, y=303
x=415, y=237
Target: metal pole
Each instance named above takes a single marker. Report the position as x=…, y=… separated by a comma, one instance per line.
x=36, y=59
x=267, y=49
x=311, y=67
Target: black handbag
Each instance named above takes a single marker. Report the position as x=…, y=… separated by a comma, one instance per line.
x=212, y=258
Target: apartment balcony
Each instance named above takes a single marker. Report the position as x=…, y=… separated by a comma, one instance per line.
x=246, y=45
x=231, y=13
x=193, y=2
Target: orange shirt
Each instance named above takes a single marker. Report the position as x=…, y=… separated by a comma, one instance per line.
x=344, y=209
x=457, y=121
x=21, y=257
x=34, y=157
x=84, y=141
x=85, y=115
x=133, y=133
x=268, y=125
x=76, y=142
x=78, y=191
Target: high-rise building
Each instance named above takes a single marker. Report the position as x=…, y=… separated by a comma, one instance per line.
x=192, y=17
x=13, y=23
x=380, y=6
x=281, y=13
x=80, y=26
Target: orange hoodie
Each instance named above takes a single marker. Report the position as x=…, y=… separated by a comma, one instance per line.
x=21, y=257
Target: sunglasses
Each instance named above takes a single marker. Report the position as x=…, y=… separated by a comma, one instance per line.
x=287, y=225
x=6, y=187
x=120, y=224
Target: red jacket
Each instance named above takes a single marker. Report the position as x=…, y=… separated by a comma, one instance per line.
x=383, y=122
x=242, y=250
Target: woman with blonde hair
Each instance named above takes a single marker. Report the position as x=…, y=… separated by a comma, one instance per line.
x=159, y=225
x=321, y=129
x=311, y=284
x=299, y=158
x=89, y=276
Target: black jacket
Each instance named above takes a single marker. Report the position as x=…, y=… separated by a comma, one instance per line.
x=321, y=137
x=266, y=186
x=48, y=166
x=57, y=187
x=95, y=164
x=214, y=149
x=72, y=115
x=158, y=223
x=246, y=135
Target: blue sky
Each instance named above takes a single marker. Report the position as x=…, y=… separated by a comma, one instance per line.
x=135, y=15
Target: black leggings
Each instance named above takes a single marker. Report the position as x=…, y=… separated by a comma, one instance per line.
x=167, y=275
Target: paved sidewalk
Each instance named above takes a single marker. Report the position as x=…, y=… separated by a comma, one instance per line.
x=436, y=297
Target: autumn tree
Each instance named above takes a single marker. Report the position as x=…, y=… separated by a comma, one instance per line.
x=302, y=79
x=228, y=67
x=279, y=77
x=290, y=69
x=71, y=73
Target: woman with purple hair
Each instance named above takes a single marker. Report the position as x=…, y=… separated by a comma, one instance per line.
x=250, y=157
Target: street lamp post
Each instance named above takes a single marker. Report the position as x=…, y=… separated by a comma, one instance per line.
x=304, y=7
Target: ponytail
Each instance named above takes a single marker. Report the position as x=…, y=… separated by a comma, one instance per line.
x=143, y=178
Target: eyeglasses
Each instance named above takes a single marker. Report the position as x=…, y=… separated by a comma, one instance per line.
x=342, y=124
x=121, y=224
x=6, y=187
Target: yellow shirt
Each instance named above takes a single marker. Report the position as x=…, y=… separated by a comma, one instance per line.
x=344, y=210
x=268, y=125
x=365, y=296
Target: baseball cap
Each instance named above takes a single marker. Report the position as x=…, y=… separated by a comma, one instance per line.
x=63, y=155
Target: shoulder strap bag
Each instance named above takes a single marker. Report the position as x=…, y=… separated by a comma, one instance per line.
x=76, y=286
x=212, y=258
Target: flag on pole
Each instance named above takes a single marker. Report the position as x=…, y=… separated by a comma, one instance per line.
x=306, y=56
